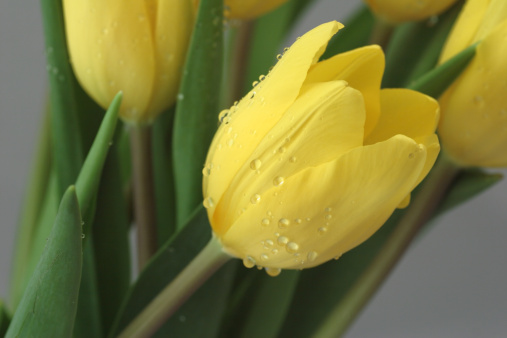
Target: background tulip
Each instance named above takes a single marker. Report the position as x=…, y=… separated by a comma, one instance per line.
x=315, y=158
x=138, y=48
x=396, y=11
x=473, y=126
x=248, y=9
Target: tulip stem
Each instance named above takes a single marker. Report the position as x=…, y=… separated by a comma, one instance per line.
x=144, y=196
x=241, y=50
x=381, y=33
x=167, y=302
x=422, y=208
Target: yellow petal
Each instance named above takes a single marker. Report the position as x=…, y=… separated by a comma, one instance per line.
x=473, y=127
x=109, y=45
x=362, y=68
x=397, y=11
x=465, y=28
x=325, y=211
x=324, y=123
x=172, y=26
x=254, y=116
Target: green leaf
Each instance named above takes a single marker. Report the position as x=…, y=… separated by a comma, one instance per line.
x=163, y=176
x=111, y=242
x=200, y=315
x=270, y=306
x=413, y=44
x=48, y=307
x=31, y=210
x=355, y=34
x=89, y=177
x=435, y=82
x=321, y=288
x=196, y=110
x=67, y=143
x=5, y=319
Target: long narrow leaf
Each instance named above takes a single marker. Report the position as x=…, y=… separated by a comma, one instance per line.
x=5, y=319
x=196, y=112
x=48, y=307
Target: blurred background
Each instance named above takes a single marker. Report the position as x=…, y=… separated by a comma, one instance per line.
x=451, y=283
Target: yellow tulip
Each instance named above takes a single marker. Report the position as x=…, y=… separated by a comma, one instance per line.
x=138, y=48
x=315, y=158
x=397, y=11
x=473, y=127
x=247, y=9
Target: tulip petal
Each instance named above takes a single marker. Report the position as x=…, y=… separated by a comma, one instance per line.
x=473, y=127
x=362, y=68
x=324, y=123
x=107, y=41
x=255, y=115
x=172, y=25
x=248, y=9
x=325, y=211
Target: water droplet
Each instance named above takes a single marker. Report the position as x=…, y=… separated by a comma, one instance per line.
x=328, y=209
x=292, y=247
x=281, y=150
x=283, y=223
x=83, y=235
x=206, y=171
x=249, y=262
x=255, y=199
x=262, y=77
x=293, y=159
x=328, y=217
x=279, y=56
x=298, y=220
x=264, y=257
x=253, y=95
x=282, y=240
x=274, y=251
x=181, y=96
x=322, y=230
x=312, y=256
x=255, y=164
x=223, y=114
x=269, y=243
x=411, y=155
x=278, y=181
x=208, y=203
x=273, y=272
x=265, y=222
x=286, y=49
x=230, y=142
x=255, y=83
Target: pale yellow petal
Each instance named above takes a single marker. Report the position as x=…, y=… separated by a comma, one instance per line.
x=397, y=11
x=325, y=211
x=256, y=114
x=465, y=28
x=173, y=22
x=323, y=124
x=109, y=45
x=362, y=68
x=473, y=127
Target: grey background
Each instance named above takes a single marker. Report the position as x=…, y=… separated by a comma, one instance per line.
x=450, y=284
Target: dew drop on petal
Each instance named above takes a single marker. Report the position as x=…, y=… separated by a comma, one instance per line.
x=265, y=221
x=255, y=164
x=312, y=256
x=208, y=203
x=283, y=223
x=264, y=257
x=278, y=181
x=292, y=247
x=273, y=272
x=293, y=159
x=249, y=262
x=255, y=199
x=282, y=240
x=322, y=230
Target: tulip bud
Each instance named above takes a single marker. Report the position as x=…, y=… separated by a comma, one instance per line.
x=138, y=48
x=473, y=126
x=397, y=11
x=315, y=158
x=247, y=9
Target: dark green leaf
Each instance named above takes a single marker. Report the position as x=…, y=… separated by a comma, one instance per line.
x=196, y=111
x=163, y=176
x=320, y=289
x=200, y=316
x=355, y=34
x=411, y=42
x=31, y=210
x=270, y=305
x=5, y=319
x=435, y=82
x=111, y=242
x=48, y=307
x=67, y=143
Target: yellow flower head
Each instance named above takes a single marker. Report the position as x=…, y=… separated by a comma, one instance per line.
x=247, y=9
x=397, y=11
x=138, y=48
x=473, y=127
x=315, y=158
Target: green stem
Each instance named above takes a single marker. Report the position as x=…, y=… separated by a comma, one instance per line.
x=420, y=211
x=240, y=58
x=381, y=33
x=207, y=262
x=144, y=196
